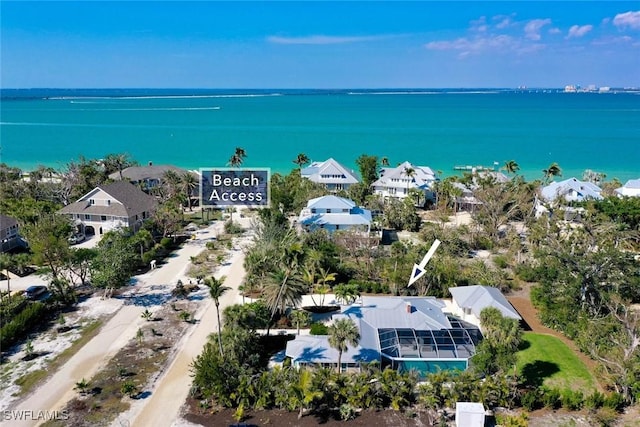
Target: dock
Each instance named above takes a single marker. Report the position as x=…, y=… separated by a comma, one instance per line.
x=478, y=168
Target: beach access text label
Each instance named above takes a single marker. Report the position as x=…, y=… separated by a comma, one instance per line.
x=234, y=187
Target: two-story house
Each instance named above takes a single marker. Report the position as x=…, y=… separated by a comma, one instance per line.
x=334, y=213
x=112, y=206
x=331, y=174
x=397, y=182
x=9, y=233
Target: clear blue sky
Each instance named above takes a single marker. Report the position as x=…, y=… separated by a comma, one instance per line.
x=207, y=44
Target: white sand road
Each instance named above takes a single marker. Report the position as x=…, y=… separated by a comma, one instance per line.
x=58, y=389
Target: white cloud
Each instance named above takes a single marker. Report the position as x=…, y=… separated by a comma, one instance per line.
x=480, y=25
x=323, y=40
x=474, y=46
x=504, y=22
x=627, y=19
x=554, y=31
x=533, y=27
x=579, y=30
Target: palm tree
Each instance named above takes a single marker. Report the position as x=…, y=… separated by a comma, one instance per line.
x=217, y=290
x=283, y=288
x=323, y=283
x=236, y=160
x=300, y=318
x=343, y=332
x=144, y=238
x=511, y=166
x=171, y=181
x=301, y=160
x=552, y=171
x=6, y=261
x=409, y=172
x=189, y=183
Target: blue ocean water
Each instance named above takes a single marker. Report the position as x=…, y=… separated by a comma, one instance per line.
x=438, y=128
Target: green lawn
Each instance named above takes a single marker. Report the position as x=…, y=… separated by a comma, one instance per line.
x=546, y=360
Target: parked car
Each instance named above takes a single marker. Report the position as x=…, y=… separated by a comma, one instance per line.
x=35, y=292
x=76, y=238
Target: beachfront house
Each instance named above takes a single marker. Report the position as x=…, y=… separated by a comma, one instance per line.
x=404, y=333
x=571, y=190
x=150, y=176
x=559, y=194
x=331, y=174
x=9, y=233
x=468, y=301
x=630, y=189
x=111, y=206
x=333, y=213
x=399, y=181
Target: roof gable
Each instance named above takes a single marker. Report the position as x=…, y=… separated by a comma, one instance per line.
x=329, y=171
x=330, y=202
x=478, y=297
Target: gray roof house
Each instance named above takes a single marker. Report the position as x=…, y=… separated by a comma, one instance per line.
x=107, y=207
x=331, y=174
x=405, y=333
x=630, y=189
x=469, y=301
x=334, y=213
x=9, y=233
x=394, y=182
x=146, y=177
x=571, y=190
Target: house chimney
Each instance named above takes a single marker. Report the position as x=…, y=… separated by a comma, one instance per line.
x=409, y=308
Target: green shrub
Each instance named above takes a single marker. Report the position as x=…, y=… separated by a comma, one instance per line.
x=614, y=401
x=551, y=398
x=501, y=261
x=572, y=400
x=166, y=242
x=527, y=273
x=530, y=400
x=149, y=255
x=594, y=401
x=318, y=328
x=231, y=227
x=22, y=323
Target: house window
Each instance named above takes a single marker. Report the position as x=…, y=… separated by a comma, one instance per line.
x=103, y=217
x=87, y=217
x=144, y=214
x=313, y=210
x=92, y=202
x=328, y=210
x=108, y=202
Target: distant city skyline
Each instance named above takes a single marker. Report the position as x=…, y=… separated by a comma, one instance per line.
x=316, y=44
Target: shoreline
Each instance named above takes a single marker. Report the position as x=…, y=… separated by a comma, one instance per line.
x=530, y=174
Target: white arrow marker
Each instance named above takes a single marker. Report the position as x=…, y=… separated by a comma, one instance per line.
x=418, y=269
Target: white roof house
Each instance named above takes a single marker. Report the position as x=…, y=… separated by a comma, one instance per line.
x=406, y=333
x=334, y=213
x=469, y=301
x=571, y=190
x=630, y=189
x=394, y=182
x=331, y=174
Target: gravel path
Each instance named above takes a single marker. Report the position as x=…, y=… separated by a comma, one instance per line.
x=122, y=327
